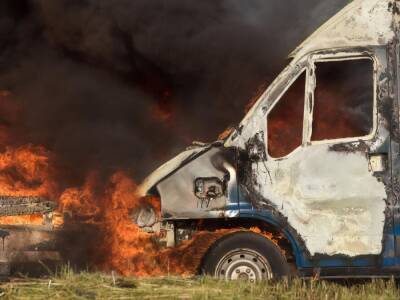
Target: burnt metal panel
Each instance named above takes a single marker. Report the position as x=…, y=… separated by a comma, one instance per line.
x=203, y=188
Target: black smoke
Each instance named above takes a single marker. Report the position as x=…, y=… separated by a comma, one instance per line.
x=128, y=83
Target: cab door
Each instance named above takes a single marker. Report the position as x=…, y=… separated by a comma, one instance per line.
x=326, y=163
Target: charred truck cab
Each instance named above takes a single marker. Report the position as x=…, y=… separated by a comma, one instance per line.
x=314, y=165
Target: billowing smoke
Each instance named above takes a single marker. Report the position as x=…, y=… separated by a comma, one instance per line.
x=95, y=94
x=111, y=85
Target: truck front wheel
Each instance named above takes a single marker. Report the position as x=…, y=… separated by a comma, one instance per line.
x=246, y=256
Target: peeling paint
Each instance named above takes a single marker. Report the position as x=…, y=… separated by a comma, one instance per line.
x=331, y=198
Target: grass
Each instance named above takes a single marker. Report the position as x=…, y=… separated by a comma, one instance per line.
x=70, y=285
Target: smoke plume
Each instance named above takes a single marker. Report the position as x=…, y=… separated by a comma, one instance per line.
x=112, y=85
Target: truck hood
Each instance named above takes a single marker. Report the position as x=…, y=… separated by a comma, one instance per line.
x=170, y=166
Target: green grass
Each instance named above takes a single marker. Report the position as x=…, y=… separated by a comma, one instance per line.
x=69, y=285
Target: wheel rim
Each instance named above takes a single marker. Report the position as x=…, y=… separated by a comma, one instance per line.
x=243, y=264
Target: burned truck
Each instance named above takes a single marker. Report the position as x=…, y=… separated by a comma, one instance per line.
x=20, y=245
x=314, y=165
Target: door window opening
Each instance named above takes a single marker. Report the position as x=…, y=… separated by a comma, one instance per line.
x=343, y=99
x=285, y=120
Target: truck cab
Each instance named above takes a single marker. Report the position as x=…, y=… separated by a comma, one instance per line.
x=308, y=182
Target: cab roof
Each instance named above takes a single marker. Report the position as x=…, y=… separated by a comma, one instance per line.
x=361, y=23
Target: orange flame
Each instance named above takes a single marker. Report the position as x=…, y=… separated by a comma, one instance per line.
x=24, y=171
x=225, y=133
x=22, y=220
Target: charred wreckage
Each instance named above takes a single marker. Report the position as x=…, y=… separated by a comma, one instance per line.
x=314, y=164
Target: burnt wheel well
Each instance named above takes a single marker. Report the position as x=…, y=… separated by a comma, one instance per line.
x=228, y=226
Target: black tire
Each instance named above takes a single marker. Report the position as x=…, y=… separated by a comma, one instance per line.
x=242, y=254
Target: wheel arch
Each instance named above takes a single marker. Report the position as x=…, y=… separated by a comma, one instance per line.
x=296, y=244
x=271, y=230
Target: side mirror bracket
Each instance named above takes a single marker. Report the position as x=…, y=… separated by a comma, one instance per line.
x=255, y=147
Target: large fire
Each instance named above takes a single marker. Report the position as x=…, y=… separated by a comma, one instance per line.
x=127, y=249
x=108, y=206
x=28, y=170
